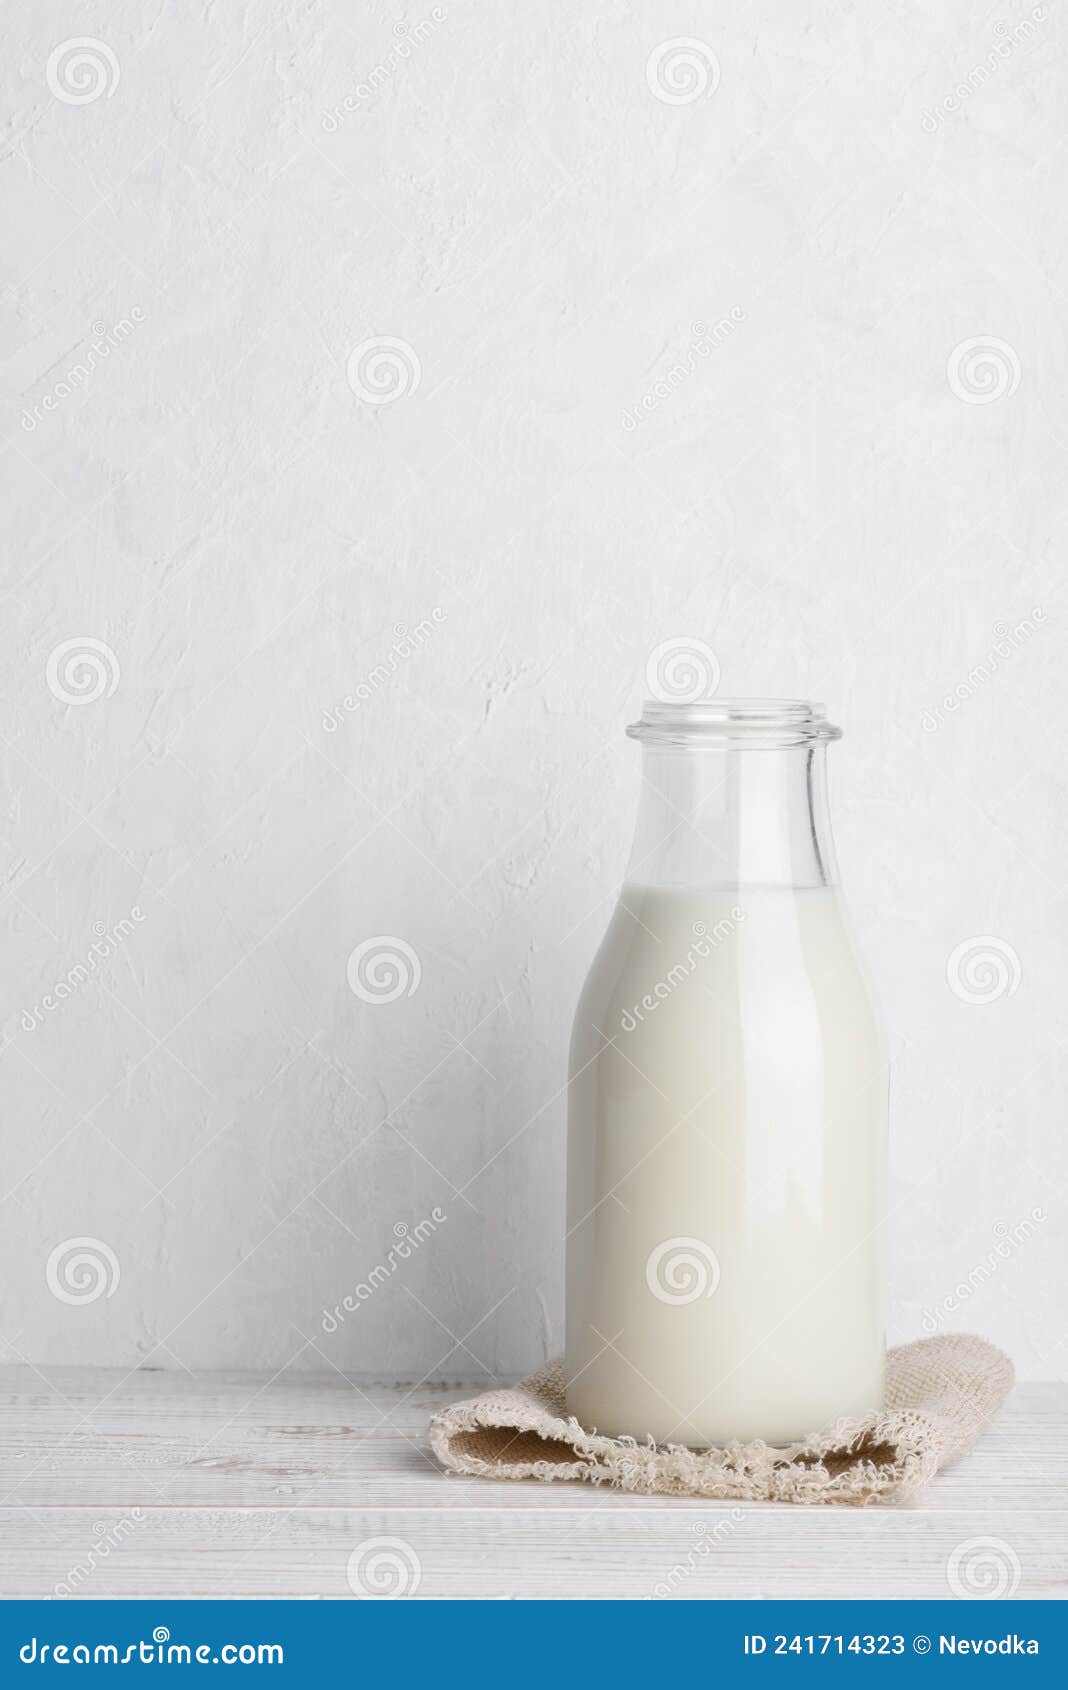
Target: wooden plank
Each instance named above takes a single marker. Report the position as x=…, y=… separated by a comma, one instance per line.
x=243, y=1442
x=595, y=1552
x=160, y=1484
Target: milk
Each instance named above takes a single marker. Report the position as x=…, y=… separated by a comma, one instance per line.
x=726, y=1129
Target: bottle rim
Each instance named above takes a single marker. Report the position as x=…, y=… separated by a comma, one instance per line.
x=733, y=722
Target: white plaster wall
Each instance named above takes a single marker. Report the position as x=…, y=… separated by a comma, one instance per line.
x=244, y=532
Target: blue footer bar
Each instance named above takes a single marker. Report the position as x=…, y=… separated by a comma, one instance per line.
x=466, y=1643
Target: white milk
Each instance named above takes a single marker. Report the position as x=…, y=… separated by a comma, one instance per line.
x=725, y=1171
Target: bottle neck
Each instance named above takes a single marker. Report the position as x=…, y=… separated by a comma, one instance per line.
x=723, y=816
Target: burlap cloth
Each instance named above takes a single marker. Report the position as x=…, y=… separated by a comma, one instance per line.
x=940, y=1394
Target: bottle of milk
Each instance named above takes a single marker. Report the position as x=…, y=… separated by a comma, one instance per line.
x=727, y=1104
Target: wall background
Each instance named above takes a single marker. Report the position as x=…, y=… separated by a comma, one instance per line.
x=836, y=498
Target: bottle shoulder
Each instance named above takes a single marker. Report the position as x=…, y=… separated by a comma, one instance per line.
x=747, y=953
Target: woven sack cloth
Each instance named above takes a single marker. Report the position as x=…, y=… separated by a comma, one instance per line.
x=940, y=1394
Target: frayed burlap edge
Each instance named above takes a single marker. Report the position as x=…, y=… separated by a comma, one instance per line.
x=941, y=1392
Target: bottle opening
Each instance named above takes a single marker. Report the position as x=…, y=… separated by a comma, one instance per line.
x=733, y=721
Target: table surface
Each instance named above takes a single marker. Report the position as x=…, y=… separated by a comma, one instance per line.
x=165, y=1484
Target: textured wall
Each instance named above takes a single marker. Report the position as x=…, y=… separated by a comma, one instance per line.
x=683, y=352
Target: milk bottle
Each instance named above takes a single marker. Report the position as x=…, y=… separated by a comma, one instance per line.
x=727, y=1104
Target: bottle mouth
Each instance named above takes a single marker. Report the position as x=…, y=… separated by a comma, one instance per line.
x=733, y=722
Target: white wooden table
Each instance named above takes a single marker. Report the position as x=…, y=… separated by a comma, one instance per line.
x=165, y=1485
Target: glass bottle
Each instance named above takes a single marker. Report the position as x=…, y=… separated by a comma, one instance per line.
x=727, y=1104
